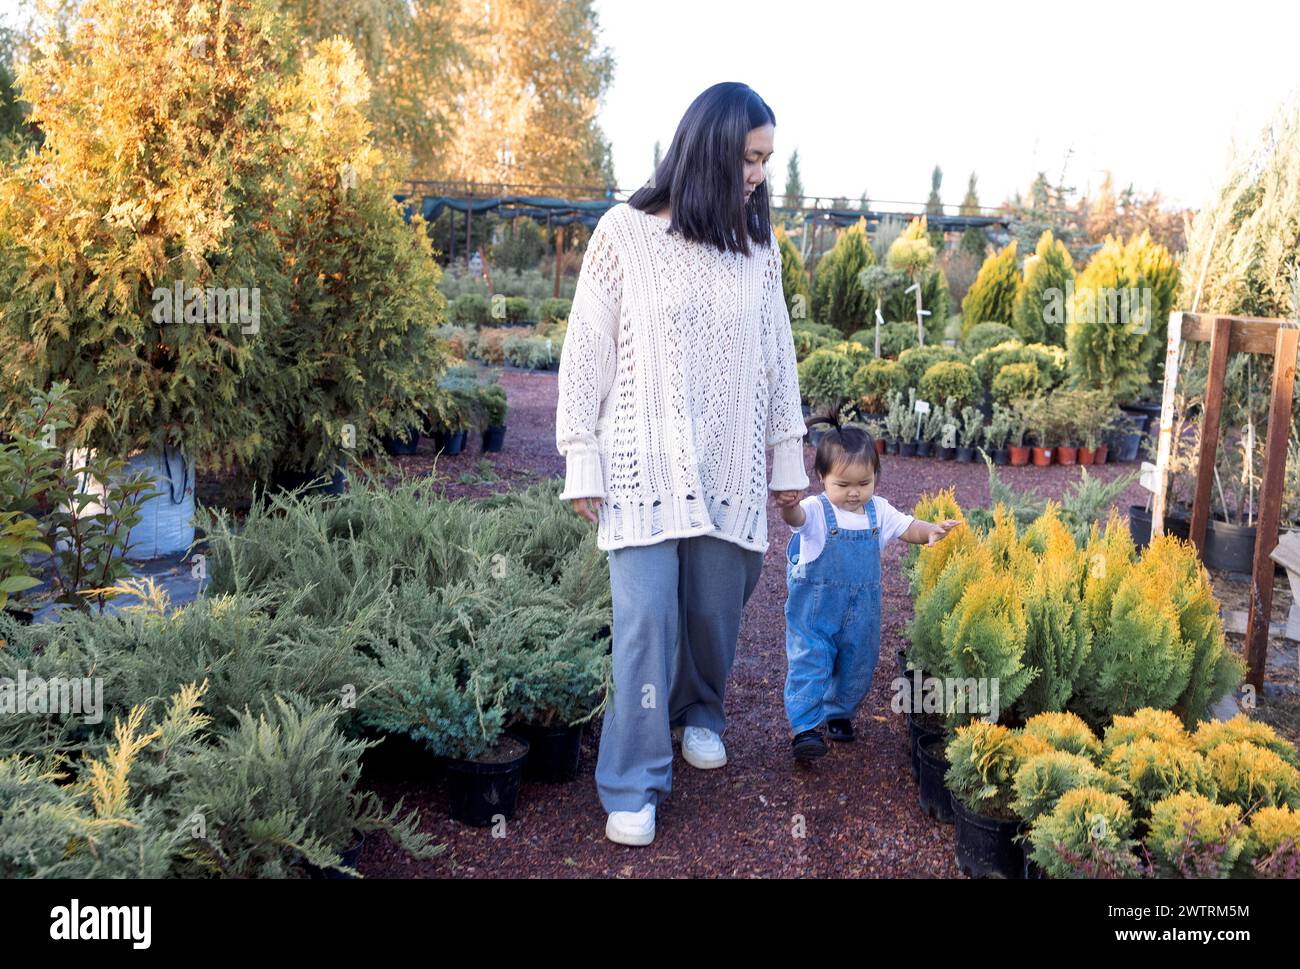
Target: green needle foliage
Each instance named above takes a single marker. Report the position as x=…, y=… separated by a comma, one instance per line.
x=1040, y=308
x=1044, y=778
x=838, y=296
x=1087, y=835
x=992, y=297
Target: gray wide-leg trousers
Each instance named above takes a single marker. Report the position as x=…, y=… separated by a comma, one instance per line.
x=677, y=608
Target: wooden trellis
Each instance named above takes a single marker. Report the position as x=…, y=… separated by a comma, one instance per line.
x=1234, y=334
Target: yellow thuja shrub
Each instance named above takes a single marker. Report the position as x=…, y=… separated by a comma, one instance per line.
x=1214, y=670
x=1253, y=777
x=923, y=564
x=1108, y=558
x=1190, y=833
x=1046, y=529
x=1138, y=656
x=1154, y=724
x=1066, y=732
x=970, y=565
x=1003, y=538
x=1154, y=769
x=984, y=637
x=1275, y=840
x=1043, y=778
x=1210, y=733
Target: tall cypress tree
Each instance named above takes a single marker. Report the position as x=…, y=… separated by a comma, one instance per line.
x=1039, y=315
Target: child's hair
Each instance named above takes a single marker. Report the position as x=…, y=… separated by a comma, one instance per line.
x=844, y=445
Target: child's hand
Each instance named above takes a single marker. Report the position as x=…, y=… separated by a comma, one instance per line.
x=940, y=530
x=786, y=499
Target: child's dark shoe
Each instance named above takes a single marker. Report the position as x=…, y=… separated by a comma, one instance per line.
x=808, y=746
x=839, y=729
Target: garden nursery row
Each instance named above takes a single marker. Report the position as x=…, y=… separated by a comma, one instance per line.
x=1059, y=693
x=233, y=731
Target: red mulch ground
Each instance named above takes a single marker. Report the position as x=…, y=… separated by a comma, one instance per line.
x=858, y=805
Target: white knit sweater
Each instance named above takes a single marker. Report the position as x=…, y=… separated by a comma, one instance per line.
x=677, y=373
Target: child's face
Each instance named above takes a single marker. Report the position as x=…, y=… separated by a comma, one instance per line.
x=850, y=486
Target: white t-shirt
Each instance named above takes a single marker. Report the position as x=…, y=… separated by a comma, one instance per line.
x=812, y=533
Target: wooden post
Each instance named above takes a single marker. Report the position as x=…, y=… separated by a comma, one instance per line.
x=1270, y=502
x=1220, y=340
x=1164, y=443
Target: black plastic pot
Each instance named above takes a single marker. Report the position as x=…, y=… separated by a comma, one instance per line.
x=907, y=449
x=965, y=455
x=1139, y=525
x=404, y=444
x=479, y=792
x=947, y=453
x=494, y=438
x=1229, y=548
x=936, y=801
x=21, y=616
x=891, y=446
x=1127, y=441
x=917, y=730
x=1002, y=456
x=924, y=449
x=350, y=857
x=455, y=442
x=553, y=753
x=985, y=846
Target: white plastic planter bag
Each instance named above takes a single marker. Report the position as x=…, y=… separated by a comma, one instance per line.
x=166, y=525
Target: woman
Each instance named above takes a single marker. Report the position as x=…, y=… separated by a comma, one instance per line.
x=677, y=373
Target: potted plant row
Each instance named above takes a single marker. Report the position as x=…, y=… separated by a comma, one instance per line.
x=1001, y=602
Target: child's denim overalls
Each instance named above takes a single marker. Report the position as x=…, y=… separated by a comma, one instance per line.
x=832, y=622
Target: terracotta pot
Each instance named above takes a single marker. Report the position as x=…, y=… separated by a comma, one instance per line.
x=1019, y=456
x=1085, y=455
x=880, y=445
x=1066, y=455
x=1043, y=456
x=1100, y=455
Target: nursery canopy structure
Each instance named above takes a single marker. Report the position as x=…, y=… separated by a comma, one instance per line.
x=560, y=205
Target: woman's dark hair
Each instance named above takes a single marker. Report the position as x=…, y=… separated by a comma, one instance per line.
x=843, y=445
x=702, y=175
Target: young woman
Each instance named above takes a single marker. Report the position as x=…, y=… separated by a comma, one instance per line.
x=677, y=375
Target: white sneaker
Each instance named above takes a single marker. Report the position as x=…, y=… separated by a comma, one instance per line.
x=702, y=748
x=635, y=828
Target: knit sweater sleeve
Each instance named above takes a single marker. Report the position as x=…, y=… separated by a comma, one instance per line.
x=785, y=424
x=589, y=362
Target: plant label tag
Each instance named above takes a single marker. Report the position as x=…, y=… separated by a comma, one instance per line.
x=922, y=407
x=1147, y=479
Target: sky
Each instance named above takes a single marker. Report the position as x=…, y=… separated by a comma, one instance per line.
x=874, y=96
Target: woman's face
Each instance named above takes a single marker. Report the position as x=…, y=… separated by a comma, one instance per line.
x=758, y=149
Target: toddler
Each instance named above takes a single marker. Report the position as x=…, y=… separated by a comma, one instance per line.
x=832, y=609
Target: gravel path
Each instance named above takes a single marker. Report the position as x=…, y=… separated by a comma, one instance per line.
x=858, y=805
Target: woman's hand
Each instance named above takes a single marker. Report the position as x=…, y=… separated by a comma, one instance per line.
x=786, y=499
x=586, y=507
